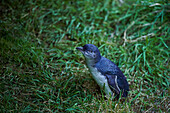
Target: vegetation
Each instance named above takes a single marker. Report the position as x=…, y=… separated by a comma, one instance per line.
x=41, y=71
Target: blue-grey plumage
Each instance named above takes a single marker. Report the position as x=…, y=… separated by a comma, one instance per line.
x=105, y=72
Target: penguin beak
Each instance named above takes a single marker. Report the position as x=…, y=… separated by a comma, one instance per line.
x=80, y=48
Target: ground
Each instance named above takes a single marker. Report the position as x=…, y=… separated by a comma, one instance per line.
x=41, y=71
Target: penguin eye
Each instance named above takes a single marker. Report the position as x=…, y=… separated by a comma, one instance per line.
x=90, y=51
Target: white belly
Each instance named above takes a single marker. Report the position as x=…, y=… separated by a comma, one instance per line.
x=101, y=80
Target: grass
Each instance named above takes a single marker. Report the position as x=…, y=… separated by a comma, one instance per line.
x=41, y=71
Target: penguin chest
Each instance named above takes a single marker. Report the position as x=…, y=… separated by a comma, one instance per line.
x=100, y=79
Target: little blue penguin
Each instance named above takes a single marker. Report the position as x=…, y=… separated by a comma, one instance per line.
x=107, y=74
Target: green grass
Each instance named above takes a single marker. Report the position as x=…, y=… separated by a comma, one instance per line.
x=41, y=71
